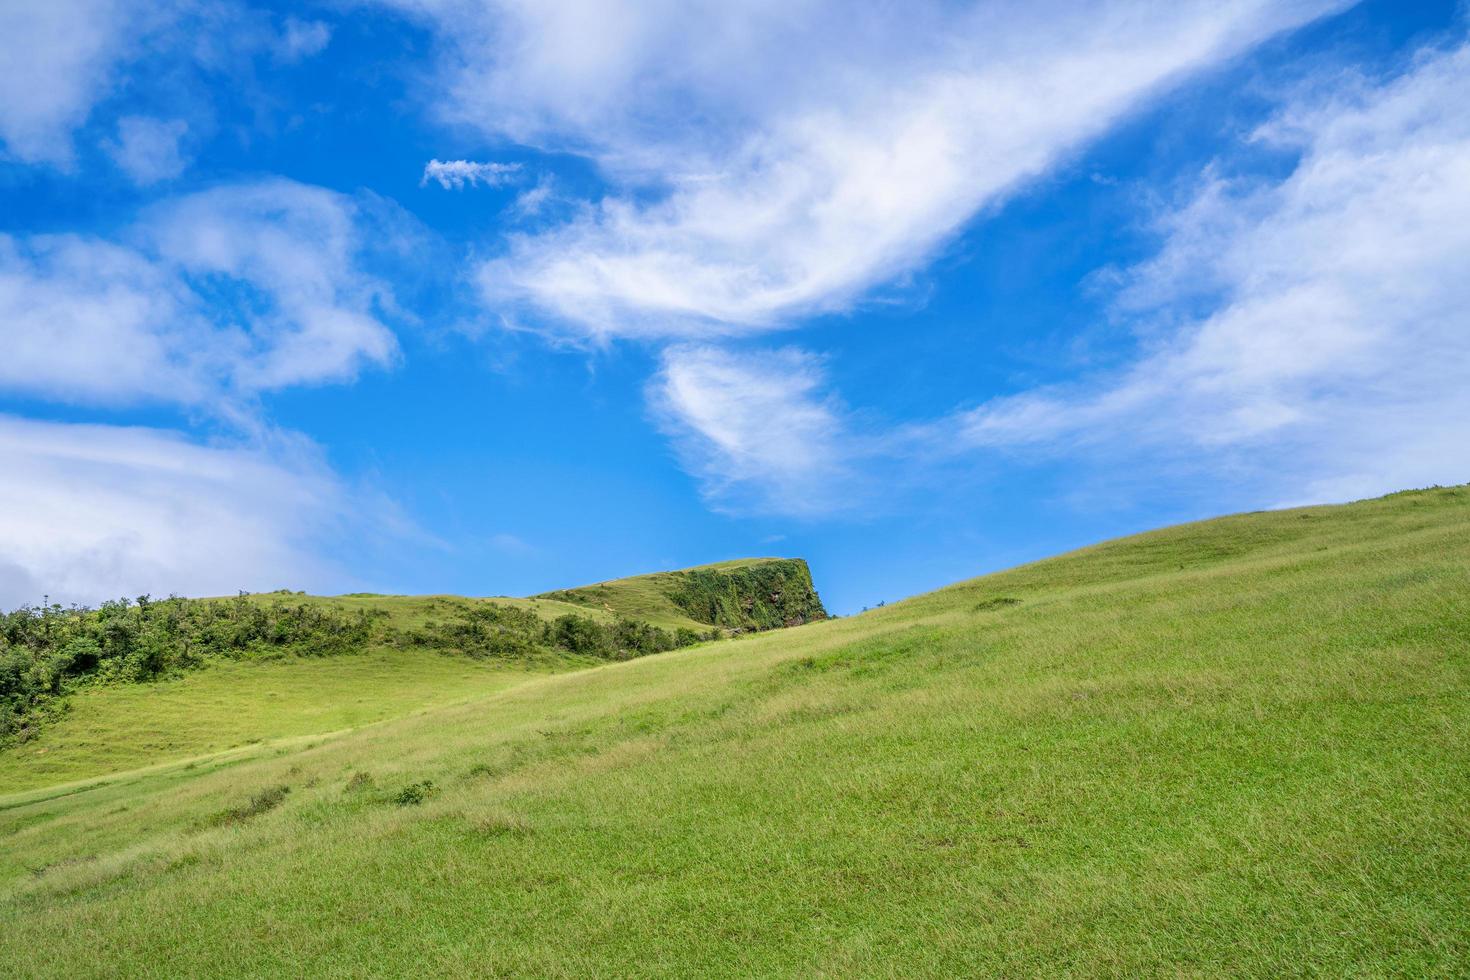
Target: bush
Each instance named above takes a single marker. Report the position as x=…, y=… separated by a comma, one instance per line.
x=414, y=793
x=579, y=634
x=505, y=632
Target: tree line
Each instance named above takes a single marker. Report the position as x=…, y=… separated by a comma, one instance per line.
x=490, y=629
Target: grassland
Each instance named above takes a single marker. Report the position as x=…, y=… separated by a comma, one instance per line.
x=269, y=694
x=232, y=705
x=1239, y=747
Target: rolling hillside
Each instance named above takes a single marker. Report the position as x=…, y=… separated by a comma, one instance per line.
x=400, y=654
x=1237, y=747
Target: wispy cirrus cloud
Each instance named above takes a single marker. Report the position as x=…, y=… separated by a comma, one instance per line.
x=95, y=321
x=57, y=60
x=1332, y=366
x=774, y=160
x=758, y=429
x=149, y=150
x=1335, y=362
x=206, y=301
x=62, y=60
x=300, y=39
x=290, y=263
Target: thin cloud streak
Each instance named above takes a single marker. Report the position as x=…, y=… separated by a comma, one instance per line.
x=1333, y=366
x=1336, y=362
x=854, y=145
x=755, y=428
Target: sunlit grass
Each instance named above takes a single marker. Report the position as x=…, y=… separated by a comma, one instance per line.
x=1233, y=748
x=115, y=728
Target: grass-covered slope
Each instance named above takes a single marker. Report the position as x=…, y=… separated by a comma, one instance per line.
x=746, y=594
x=1231, y=748
x=85, y=692
x=117, y=727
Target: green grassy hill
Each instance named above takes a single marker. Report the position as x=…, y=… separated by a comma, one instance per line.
x=1238, y=747
x=402, y=654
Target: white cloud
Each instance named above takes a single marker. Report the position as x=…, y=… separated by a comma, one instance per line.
x=309, y=312
x=89, y=512
x=455, y=174
x=57, y=60
x=95, y=321
x=530, y=203
x=218, y=294
x=1336, y=363
x=207, y=300
x=804, y=151
x=756, y=429
x=64, y=61
x=147, y=149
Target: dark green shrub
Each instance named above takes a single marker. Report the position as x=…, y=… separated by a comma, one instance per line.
x=414, y=793
x=579, y=634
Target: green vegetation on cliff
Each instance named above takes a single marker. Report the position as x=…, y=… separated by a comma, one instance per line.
x=745, y=595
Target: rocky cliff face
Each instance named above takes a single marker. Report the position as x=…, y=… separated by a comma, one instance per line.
x=760, y=596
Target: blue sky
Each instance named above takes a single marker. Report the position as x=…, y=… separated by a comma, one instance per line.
x=491, y=298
